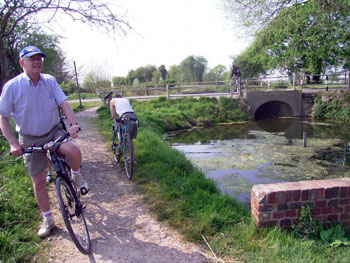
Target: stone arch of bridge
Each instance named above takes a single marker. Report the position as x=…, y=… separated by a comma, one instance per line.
x=273, y=108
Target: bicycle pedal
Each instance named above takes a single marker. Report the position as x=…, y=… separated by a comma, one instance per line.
x=84, y=191
x=49, y=178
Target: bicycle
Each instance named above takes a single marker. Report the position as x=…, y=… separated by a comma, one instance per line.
x=70, y=205
x=235, y=83
x=123, y=145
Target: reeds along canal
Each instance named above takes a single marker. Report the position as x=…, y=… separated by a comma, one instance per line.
x=238, y=156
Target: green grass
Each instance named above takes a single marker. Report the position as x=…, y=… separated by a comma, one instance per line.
x=83, y=96
x=19, y=215
x=182, y=197
x=333, y=105
x=84, y=105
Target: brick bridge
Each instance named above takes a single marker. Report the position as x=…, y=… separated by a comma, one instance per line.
x=271, y=103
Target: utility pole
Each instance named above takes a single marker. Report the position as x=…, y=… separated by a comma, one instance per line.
x=76, y=78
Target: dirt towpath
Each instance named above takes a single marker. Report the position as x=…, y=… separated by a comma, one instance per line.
x=122, y=229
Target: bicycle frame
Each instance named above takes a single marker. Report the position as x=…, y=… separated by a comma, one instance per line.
x=121, y=132
x=59, y=165
x=57, y=162
x=70, y=205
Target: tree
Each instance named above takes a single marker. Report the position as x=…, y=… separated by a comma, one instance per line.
x=20, y=13
x=163, y=72
x=297, y=35
x=218, y=71
x=69, y=87
x=143, y=74
x=155, y=76
x=175, y=73
x=253, y=62
x=120, y=81
x=131, y=77
x=193, y=68
x=257, y=14
x=95, y=81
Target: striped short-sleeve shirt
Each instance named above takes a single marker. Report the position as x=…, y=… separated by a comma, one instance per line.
x=34, y=109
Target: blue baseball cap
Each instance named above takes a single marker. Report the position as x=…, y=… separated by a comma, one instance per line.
x=30, y=51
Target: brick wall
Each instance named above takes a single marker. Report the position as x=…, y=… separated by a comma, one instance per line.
x=279, y=204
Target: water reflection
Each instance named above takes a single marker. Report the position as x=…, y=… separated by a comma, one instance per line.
x=268, y=151
x=291, y=127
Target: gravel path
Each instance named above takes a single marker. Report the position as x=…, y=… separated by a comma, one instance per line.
x=121, y=227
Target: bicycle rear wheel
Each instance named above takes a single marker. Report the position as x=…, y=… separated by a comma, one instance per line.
x=116, y=146
x=128, y=157
x=72, y=213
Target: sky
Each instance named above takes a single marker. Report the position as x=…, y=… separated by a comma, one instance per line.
x=165, y=33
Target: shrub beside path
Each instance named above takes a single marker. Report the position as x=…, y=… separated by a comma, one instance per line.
x=122, y=229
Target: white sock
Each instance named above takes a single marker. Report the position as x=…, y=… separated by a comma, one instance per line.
x=75, y=172
x=47, y=213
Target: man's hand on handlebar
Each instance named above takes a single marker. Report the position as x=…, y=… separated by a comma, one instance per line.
x=16, y=149
x=74, y=130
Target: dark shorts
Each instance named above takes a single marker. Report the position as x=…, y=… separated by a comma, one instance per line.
x=132, y=124
x=38, y=162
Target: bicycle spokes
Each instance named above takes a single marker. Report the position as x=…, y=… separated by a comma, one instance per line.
x=72, y=213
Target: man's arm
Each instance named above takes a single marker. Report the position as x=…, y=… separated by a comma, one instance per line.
x=68, y=112
x=112, y=108
x=16, y=148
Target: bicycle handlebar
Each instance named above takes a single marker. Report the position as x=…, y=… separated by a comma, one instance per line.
x=46, y=146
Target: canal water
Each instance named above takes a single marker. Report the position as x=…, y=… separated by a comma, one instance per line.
x=237, y=156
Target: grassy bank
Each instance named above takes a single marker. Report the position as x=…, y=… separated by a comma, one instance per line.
x=19, y=215
x=180, y=195
x=83, y=96
x=19, y=212
x=84, y=106
x=333, y=105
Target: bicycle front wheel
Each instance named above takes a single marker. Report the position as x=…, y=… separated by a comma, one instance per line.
x=72, y=213
x=128, y=157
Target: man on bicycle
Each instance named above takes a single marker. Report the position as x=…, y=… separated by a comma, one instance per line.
x=122, y=107
x=32, y=100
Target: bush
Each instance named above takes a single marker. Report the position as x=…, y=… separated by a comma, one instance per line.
x=333, y=105
x=68, y=87
x=171, y=82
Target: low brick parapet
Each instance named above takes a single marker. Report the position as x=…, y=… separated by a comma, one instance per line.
x=280, y=204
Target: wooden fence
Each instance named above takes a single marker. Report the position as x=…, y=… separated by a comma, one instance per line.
x=338, y=80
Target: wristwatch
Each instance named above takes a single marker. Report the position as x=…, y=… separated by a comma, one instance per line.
x=70, y=125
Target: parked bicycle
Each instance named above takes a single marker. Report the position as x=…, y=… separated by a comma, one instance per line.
x=68, y=196
x=121, y=144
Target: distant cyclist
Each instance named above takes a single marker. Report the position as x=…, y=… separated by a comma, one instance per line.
x=236, y=73
x=122, y=107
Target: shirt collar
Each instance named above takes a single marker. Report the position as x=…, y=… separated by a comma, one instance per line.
x=25, y=76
